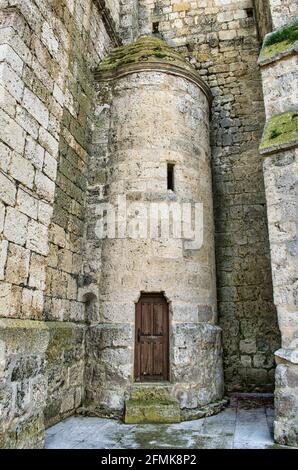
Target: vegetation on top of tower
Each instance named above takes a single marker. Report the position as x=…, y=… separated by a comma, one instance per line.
x=145, y=49
x=280, y=130
x=280, y=40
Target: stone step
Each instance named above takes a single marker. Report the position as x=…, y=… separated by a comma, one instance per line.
x=142, y=391
x=151, y=404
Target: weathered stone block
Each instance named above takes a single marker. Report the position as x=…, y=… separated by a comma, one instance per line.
x=36, y=107
x=27, y=204
x=34, y=152
x=10, y=300
x=32, y=303
x=12, y=134
x=48, y=142
x=37, y=273
x=3, y=257
x=6, y=155
x=248, y=346
x=7, y=190
x=15, y=228
x=45, y=212
x=37, y=238
x=183, y=6
x=17, y=268
x=50, y=166
x=11, y=81
x=45, y=187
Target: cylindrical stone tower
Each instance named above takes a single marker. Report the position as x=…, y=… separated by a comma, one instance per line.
x=151, y=195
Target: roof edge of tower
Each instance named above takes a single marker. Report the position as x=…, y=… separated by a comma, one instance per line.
x=148, y=53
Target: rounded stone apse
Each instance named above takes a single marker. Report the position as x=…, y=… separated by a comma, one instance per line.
x=151, y=225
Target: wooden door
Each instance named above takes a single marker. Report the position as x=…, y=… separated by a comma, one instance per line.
x=152, y=338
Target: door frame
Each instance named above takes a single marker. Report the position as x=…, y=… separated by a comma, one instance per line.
x=157, y=295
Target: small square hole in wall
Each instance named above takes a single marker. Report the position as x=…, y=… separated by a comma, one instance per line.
x=155, y=27
x=249, y=12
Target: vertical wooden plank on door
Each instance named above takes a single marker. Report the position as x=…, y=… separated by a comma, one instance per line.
x=158, y=349
x=146, y=347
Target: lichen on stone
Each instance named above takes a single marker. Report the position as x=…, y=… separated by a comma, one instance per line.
x=280, y=130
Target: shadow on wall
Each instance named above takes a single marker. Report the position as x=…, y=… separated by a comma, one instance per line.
x=91, y=308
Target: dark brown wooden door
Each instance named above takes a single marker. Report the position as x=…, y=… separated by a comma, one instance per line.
x=152, y=338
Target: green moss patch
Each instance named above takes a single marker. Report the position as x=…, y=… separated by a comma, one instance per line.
x=137, y=412
x=280, y=130
x=279, y=41
x=288, y=33
x=145, y=49
x=151, y=404
x=24, y=336
x=152, y=394
x=61, y=338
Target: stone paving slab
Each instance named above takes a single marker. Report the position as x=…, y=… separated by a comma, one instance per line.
x=233, y=428
x=252, y=428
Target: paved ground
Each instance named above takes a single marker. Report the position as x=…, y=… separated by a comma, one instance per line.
x=245, y=424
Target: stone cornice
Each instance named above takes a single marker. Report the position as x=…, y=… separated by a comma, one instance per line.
x=280, y=133
x=156, y=66
x=292, y=49
x=286, y=355
x=279, y=44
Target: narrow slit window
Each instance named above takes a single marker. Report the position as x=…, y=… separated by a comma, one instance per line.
x=171, y=167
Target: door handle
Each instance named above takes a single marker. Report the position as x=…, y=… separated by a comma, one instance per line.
x=139, y=335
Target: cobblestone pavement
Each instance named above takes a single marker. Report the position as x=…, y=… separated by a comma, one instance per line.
x=245, y=424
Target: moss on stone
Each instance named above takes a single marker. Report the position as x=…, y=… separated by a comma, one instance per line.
x=152, y=394
x=280, y=130
x=145, y=49
x=287, y=33
x=30, y=431
x=27, y=335
x=280, y=40
x=137, y=411
x=152, y=404
x=61, y=335
x=98, y=177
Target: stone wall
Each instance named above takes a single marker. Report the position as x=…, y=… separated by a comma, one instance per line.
x=278, y=61
x=280, y=173
x=129, y=18
x=41, y=367
x=47, y=51
x=282, y=12
x=65, y=355
x=23, y=385
x=279, y=85
x=45, y=101
x=220, y=38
